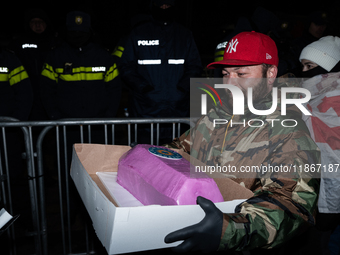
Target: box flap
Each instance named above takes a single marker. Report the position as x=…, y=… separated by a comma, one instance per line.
x=100, y=158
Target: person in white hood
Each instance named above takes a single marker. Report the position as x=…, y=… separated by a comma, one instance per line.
x=321, y=65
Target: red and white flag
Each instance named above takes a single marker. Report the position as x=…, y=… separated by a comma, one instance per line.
x=324, y=126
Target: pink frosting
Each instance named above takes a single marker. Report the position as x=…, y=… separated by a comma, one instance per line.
x=155, y=180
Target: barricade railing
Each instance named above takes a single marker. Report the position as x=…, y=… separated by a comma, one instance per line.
x=48, y=145
x=5, y=171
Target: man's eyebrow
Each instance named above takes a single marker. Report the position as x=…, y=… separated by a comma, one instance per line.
x=237, y=68
x=240, y=67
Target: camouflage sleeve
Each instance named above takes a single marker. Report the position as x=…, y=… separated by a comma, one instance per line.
x=284, y=205
x=182, y=142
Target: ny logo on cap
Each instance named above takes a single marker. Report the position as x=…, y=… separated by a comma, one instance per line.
x=79, y=20
x=232, y=46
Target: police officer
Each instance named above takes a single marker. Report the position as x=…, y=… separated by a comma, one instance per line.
x=31, y=48
x=80, y=78
x=160, y=57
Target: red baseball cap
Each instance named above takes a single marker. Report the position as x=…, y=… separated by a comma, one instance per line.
x=249, y=48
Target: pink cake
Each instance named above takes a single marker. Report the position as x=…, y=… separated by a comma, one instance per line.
x=159, y=180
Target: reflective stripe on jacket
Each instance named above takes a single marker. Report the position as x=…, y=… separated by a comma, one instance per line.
x=16, y=94
x=80, y=83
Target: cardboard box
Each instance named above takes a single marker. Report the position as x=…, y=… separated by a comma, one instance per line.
x=123, y=229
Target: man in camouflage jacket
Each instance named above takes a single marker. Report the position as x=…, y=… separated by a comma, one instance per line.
x=283, y=204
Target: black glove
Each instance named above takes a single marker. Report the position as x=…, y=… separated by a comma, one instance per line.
x=204, y=236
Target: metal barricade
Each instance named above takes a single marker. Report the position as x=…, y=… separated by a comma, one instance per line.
x=48, y=148
x=6, y=171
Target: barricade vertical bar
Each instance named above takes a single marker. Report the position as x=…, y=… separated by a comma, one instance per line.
x=40, y=172
x=136, y=132
x=7, y=204
x=81, y=134
x=152, y=133
x=157, y=134
x=2, y=184
x=33, y=188
x=129, y=133
x=89, y=133
x=173, y=130
x=10, y=207
x=105, y=131
x=3, y=188
x=60, y=191
x=178, y=129
x=67, y=190
x=113, y=133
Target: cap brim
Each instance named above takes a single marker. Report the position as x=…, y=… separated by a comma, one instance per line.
x=231, y=62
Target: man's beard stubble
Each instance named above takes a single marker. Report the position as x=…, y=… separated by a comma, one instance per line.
x=259, y=92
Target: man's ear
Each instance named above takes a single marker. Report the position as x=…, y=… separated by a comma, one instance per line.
x=271, y=74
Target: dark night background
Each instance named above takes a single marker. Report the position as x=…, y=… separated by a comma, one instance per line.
x=208, y=20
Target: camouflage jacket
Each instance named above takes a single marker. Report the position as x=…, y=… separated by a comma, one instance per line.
x=282, y=205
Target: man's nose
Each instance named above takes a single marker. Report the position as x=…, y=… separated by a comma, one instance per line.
x=230, y=80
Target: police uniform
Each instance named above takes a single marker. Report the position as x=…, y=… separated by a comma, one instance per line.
x=158, y=61
x=15, y=88
x=80, y=81
x=32, y=48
